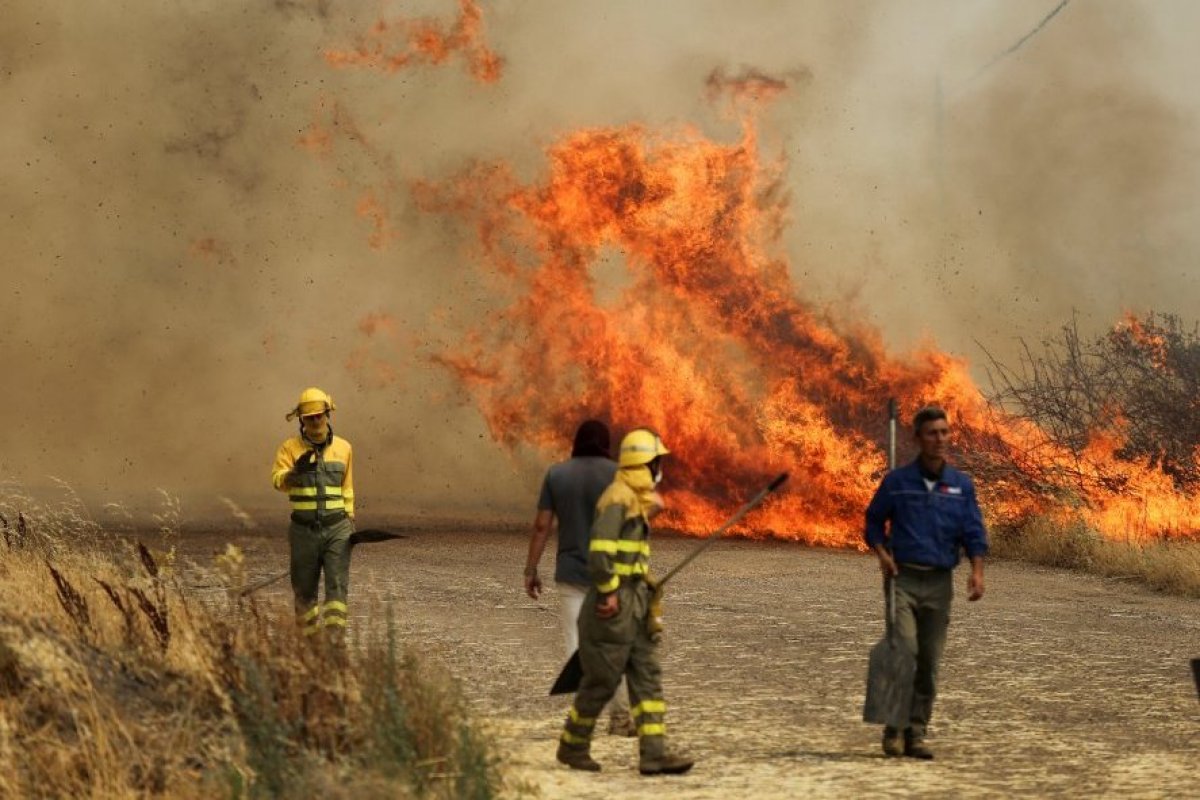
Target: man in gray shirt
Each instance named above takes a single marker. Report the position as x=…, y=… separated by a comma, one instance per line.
x=569, y=494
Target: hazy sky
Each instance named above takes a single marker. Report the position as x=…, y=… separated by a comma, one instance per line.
x=177, y=268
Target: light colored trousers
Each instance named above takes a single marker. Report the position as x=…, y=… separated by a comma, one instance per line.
x=572, y=604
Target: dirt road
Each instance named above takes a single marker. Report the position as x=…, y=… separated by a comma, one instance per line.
x=1054, y=685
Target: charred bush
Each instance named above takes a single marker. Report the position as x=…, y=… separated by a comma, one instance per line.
x=1138, y=384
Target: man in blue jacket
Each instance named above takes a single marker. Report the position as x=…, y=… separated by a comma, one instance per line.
x=923, y=515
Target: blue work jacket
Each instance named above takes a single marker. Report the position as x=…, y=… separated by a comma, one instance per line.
x=926, y=526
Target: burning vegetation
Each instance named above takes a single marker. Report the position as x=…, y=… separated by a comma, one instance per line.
x=1113, y=424
x=641, y=279
x=708, y=342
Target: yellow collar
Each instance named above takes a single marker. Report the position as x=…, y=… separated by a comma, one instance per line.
x=639, y=481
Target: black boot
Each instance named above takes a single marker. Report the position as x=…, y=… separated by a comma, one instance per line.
x=915, y=747
x=893, y=743
x=577, y=758
x=666, y=764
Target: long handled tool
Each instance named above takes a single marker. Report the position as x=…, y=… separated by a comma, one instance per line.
x=367, y=536
x=572, y=672
x=892, y=667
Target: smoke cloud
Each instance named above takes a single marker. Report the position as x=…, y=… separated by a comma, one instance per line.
x=202, y=214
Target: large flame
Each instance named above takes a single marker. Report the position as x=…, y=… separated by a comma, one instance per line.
x=642, y=282
x=707, y=342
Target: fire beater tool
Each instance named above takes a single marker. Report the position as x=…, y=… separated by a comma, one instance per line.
x=366, y=536
x=572, y=672
x=892, y=667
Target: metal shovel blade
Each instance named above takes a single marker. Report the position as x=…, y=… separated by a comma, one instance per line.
x=889, y=684
x=570, y=676
x=373, y=535
x=892, y=666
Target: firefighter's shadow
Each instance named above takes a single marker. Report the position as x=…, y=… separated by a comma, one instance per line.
x=829, y=755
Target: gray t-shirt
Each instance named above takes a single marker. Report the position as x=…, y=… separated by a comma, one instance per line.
x=571, y=490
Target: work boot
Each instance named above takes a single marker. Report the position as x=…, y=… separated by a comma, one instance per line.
x=621, y=724
x=893, y=743
x=915, y=747
x=577, y=758
x=666, y=764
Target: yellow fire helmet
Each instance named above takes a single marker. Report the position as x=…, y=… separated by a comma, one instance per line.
x=312, y=401
x=641, y=446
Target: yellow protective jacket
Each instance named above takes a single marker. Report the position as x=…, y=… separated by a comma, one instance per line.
x=620, y=543
x=324, y=494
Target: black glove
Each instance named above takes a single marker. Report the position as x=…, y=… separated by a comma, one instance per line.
x=306, y=462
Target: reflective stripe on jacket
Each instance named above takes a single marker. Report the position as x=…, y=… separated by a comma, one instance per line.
x=620, y=543
x=324, y=493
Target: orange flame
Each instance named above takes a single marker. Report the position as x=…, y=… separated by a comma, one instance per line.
x=392, y=46
x=708, y=343
x=752, y=89
x=700, y=332
x=1154, y=344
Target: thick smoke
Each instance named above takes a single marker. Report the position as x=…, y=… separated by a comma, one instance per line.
x=178, y=266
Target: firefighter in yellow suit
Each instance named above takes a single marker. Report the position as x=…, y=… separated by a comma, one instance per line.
x=614, y=636
x=315, y=469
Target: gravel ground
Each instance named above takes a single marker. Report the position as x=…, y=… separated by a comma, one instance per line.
x=1054, y=685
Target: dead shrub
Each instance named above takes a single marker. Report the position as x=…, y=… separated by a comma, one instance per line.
x=1139, y=382
x=119, y=683
x=1065, y=540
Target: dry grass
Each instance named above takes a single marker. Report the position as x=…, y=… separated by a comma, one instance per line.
x=114, y=682
x=1067, y=541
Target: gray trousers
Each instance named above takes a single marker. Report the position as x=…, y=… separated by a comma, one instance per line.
x=923, y=599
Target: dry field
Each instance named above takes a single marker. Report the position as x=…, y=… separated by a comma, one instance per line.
x=1056, y=684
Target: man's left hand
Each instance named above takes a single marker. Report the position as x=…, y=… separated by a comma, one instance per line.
x=975, y=585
